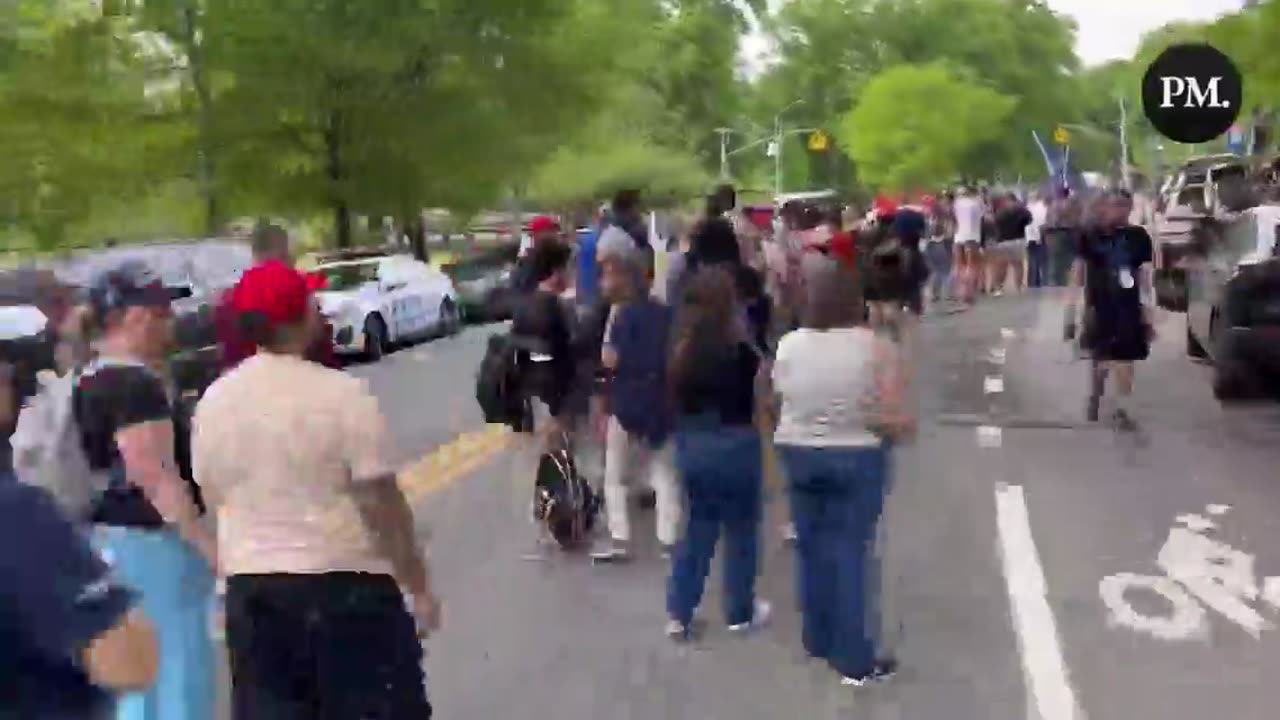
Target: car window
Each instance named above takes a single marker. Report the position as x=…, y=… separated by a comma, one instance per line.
x=340, y=278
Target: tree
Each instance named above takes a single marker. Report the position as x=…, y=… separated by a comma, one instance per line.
x=76, y=126
x=915, y=125
x=832, y=48
x=387, y=107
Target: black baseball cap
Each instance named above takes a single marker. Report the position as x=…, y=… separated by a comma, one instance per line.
x=131, y=284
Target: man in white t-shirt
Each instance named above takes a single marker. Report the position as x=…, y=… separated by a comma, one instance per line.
x=968, y=211
x=1036, y=257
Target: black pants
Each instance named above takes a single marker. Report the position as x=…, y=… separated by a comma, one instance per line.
x=332, y=646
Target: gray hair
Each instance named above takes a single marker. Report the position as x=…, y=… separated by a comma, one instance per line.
x=832, y=293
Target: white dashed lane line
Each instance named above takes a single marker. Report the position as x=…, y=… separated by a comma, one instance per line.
x=993, y=385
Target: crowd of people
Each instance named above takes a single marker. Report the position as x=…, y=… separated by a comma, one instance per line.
x=684, y=361
x=689, y=360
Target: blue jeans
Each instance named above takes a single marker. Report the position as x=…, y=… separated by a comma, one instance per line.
x=1037, y=261
x=939, y=263
x=721, y=470
x=837, y=495
x=175, y=585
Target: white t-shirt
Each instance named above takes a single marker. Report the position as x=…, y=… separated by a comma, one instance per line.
x=824, y=377
x=968, y=210
x=277, y=445
x=1039, y=210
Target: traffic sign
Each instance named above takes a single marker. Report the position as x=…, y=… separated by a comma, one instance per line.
x=1061, y=136
x=818, y=141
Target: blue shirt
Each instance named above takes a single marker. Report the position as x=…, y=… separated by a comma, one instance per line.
x=638, y=393
x=56, y=597
x=588, y=277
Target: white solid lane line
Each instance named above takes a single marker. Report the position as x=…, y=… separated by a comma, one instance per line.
x=1050, y=695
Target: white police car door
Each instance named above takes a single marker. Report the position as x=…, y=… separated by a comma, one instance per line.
x=429, y=285
x=396, y=298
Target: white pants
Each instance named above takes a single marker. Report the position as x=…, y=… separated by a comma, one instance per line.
x=622, y=452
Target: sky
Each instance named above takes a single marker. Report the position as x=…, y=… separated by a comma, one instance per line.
x=1107, y=29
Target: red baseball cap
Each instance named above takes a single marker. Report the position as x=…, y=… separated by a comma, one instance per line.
x=884, y=207
x=276, y=291
x=544, y=223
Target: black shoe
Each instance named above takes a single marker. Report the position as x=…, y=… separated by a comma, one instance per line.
x=1124, y=421
x=613, y=554
x=880, y=672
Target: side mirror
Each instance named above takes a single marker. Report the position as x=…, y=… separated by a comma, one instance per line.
x=392, y=286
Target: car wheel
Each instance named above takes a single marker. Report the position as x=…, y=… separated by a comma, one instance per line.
x=375, y=338
x=450, y=318
x=1194, y=348
x=1233, y=379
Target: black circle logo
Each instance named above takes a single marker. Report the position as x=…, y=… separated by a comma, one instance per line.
x=1192, y=93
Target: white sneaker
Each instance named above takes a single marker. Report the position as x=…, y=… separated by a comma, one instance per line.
x=759, y=618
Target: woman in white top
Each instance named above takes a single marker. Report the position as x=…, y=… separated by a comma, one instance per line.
x=842, y=391
x=969, y=210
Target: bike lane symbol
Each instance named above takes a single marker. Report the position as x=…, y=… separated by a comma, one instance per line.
x=1201, y=573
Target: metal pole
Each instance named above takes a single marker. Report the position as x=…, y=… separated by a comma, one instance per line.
x=724, y=152
x=1124, y=147
x=777, y=156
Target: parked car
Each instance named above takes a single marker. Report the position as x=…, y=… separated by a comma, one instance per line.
x=378, y=302
x=484, y=289
x=1233, y=300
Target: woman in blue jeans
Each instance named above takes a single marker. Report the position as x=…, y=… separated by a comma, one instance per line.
x=843, y=390
x=718, y=453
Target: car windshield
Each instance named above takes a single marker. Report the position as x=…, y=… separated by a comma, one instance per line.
x=349, y=277
x=466, y=272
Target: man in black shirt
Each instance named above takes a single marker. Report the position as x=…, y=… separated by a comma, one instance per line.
x=1112, y=275
x=1009, y=249
x=148, y=521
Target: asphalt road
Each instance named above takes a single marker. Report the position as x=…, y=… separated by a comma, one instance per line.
x=1005, y=517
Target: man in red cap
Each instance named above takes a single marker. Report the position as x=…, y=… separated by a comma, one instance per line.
x=289, y=451
x=270, y=245
x=543, y=229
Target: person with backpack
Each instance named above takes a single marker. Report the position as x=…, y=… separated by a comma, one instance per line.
x=842, y=394
x=147, y=520
x=639, y=417
x=328, y=594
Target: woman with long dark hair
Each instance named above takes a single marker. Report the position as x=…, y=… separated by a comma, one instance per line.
x=712, y=373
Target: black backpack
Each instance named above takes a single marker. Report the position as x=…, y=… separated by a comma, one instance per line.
x=498, y=382
x=563, y=500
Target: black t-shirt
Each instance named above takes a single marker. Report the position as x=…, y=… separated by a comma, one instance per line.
x=1112, y=259
x=541, y=326
x=1012, y=222
x=719, y=382
x=107, y=400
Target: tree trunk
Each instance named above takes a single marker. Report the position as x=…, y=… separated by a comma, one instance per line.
x=336, y=173
x=417, y=232
x=195, y=57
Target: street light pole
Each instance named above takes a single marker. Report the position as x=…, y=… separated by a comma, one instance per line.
x=1124, y=147
x=724, y=151
x=777, y=148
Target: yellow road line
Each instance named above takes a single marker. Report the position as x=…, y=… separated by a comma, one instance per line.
x=453, y=461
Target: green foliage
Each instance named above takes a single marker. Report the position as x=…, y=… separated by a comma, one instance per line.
x=76, y=127
x=915, y=125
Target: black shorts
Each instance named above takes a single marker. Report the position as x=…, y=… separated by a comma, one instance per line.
x=332, y=646
x=1116, y=335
